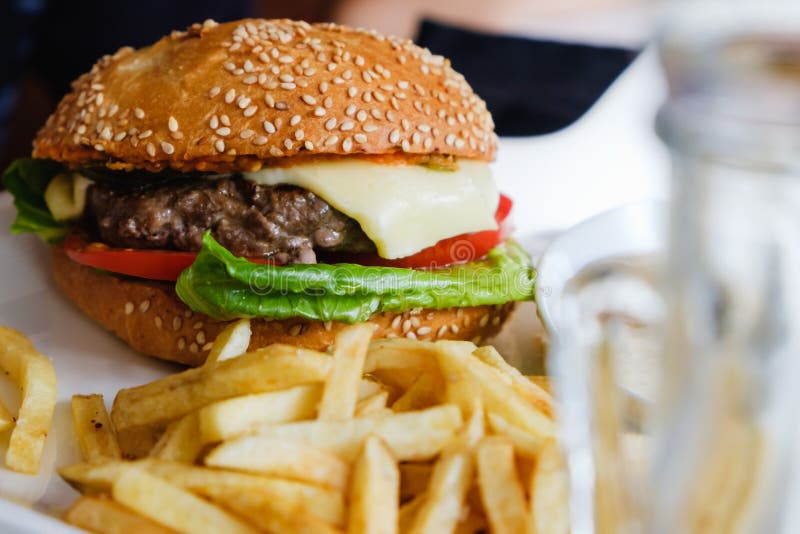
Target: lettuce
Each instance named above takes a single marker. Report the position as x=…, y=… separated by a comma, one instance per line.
x=27, y=180
x=223, y=286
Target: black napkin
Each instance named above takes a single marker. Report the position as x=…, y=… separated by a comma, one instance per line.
x=531, y=86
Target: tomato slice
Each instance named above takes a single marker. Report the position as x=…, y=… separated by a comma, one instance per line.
x=459, y=249
x=167, y=264
x=150, y=264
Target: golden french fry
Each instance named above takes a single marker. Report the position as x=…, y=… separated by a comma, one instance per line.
x=521, y=384
x=414, y=478
x=549, y=492
x=469, y=378
x=372, y=405
x=525, y=443
x=474, y=522
x=181, y=442
x=426, y=391
x=240, y=415
x=6, y=419
x=408, y=512
x=543, y=381
x=397, y=380
x=248, y=495
x=341, y=388
x=256, y=454
x=138, y=442
x=34, y=374
x=171, y=506
x=374, y=491
x=410, y=435
x=268, y=369
x=400, y=354
x=501, y=491
x=102, y=515
x=96, y=437
x=231, y=342
x=450, y=480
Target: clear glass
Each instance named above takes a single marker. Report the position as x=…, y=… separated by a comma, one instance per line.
x=711, y=444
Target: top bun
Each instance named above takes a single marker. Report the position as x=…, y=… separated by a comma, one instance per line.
x=243, y=94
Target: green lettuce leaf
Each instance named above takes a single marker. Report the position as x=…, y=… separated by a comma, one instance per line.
x=223, y=286
x=27, y=180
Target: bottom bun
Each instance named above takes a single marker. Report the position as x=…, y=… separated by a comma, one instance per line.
x=149, y=317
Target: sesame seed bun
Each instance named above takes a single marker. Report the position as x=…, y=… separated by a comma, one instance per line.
x=150, y=318
x=250, y=93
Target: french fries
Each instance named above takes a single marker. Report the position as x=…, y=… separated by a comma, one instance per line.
x=172, y=506
x=375, y=491
x=549, y=492
x=381, y=436
x=96, y=437
x=34, y=374
x=231, y=342
x=6, y=419
x=501, y=491
x=101, y=514
x=340, y=394
x=281, y=458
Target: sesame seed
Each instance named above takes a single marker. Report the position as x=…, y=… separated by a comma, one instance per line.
x=288, y=144
x=330, y=124
x=424, y=330
x=172, y=124
x=145, y=134
x=405, y=145
x=308, y=99
x=151, y=150
x=269, y=127
x=352, y=92
x=223, y=131
x=193, y=348
x=106, y=133
x=167, y=147
x=347, y=145
x=242, y=102
x=319, y=112
x=361, y=115
x=331, y=66
x=294, y=120
x=459, y=143
x=214, y=122
x=360, y=138
x=283, y=106
x=454, y=328
x=248, y=65
x=416, y=138
x=299, y=135
x=396, y=322
x=295, y=330
x=450, y=140
x=288, y=86
x=350, y=110
x=369, y=128
x=177, y=322
x=275, y=151
x=120, y=136
x=230, y=96
x=347, y=125
x=423, y=128
x=270, y=101
x=201, y=337
x=442, y=331
x=286, y=59
x=214, y=91
x=309, y=145
x=286, y=78
x=224, y=119
x=323, y=87
x=250, y=111
x=406, y=326
x=99, y=99
x=159, y=322
x=359, y=61
x=129, y=308
x=247, y=134
x=394, y=137
x=181, y=343
x=331, y=140
x=260, y=140
x=376, y=113
x=428, y=143
x=328, y=102
x=220, y=145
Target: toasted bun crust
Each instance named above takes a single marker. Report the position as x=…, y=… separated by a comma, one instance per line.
x=149, y=317
x=243, y=94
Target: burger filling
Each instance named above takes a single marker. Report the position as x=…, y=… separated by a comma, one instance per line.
x=282, y=223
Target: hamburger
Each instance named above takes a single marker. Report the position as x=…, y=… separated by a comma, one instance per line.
x=306, y=176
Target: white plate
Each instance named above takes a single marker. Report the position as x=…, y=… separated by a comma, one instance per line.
x=632, y=230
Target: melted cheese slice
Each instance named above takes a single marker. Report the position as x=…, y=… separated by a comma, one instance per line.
x=402, y=208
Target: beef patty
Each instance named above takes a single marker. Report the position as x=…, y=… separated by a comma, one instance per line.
x=284, y=223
